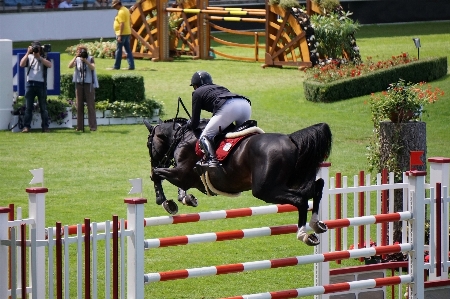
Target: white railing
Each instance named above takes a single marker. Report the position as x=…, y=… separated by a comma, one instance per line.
x=41, y=263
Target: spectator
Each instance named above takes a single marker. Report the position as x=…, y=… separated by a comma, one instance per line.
x=36, y=85
x=65, y=4
x=122, y=29
x=85, y=79
x=100, y=3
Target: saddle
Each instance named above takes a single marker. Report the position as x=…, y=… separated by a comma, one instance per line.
x=227, y=139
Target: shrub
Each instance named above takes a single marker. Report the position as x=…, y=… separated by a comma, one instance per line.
x=128, y=88
x=332, y=32
x=56, y=109
x=422, y=70
x=97, y=49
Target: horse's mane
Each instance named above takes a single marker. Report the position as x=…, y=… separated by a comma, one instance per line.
x=180, y=120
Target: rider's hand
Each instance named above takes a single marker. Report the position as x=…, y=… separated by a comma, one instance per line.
x=188, y=124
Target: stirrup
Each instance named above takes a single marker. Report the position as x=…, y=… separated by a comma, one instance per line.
x=209, y=163
x=212, y=163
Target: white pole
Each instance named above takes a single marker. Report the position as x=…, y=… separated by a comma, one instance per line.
x=135, y=248
x=4, y=251
x=322, y=270
x=416, y=236
x=36, y=211
x=6, y=83
x=439, y=173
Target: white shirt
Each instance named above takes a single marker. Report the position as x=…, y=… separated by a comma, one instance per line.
x=64, y=4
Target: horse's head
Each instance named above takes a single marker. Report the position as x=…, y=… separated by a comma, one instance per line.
x=161, y=141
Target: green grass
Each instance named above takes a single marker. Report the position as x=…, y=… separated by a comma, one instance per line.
x=87, y=174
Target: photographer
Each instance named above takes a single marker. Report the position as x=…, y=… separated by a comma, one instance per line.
x=85, y=79
x=36, y=86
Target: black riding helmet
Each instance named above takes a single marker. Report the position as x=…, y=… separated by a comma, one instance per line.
x=201, y=78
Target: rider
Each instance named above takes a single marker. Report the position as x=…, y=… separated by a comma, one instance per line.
x=226, y=107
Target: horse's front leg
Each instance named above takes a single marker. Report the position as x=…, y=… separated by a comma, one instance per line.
x=159, y=191
x=169, y=205
x=318, y=226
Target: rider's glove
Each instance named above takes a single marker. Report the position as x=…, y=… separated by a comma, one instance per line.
x=188, y=124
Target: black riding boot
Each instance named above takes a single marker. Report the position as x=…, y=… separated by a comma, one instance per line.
x=207, y=146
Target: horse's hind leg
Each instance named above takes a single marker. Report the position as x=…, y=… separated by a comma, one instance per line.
x=187, y=199
x=317, y=225
x=302, y=235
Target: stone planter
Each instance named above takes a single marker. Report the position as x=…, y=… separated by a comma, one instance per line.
x=107, y=113
x=407, y=137
x=66, y=123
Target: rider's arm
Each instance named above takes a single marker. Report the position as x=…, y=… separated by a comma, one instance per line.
x=196, y=110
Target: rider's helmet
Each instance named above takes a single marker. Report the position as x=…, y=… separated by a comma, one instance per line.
x=201, y=78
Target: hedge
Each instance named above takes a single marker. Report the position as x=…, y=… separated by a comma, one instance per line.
x=417, y=71
x=119, y=87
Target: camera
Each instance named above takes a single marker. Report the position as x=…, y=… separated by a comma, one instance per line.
x=47, y=48
x=36, y=48
x=83, y=53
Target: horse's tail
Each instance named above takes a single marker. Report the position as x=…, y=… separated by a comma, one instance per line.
x=314, y=147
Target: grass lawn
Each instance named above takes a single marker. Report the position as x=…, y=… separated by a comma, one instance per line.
x=87, y=173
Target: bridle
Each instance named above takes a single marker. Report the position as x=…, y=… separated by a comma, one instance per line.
x=168, y=158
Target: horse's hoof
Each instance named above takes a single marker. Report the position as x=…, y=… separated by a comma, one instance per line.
x=319, y=227
x=170, y=206
x=312, y=240
x=190, y=201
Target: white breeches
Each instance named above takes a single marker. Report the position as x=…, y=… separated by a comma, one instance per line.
x=234, y=110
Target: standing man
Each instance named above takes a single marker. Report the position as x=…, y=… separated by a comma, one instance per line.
x=122, y=28
x=36, y=84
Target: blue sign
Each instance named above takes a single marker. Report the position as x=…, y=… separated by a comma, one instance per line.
x=15, y=65
x=53, y=74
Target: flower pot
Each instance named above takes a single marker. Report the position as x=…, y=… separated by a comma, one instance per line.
x=401, y=116
x=99, y=113
x=108, y=113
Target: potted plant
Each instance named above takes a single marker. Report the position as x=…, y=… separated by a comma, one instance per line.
x=57, y=110
x=150, y=108
x=402, y=101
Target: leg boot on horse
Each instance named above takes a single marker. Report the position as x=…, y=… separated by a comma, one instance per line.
x=210, y=151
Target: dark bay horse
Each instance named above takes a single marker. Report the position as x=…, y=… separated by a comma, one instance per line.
x=278, y=168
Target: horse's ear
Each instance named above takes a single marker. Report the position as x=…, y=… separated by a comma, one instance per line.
x=148, y=125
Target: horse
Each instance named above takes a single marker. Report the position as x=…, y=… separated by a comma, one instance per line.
x=277, y=168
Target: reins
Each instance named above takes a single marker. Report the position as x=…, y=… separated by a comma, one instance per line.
x=168, y=159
